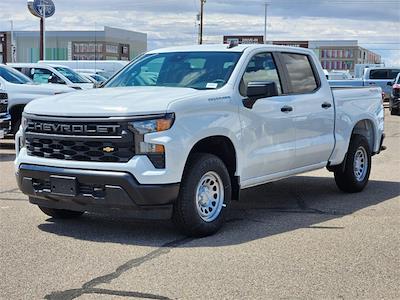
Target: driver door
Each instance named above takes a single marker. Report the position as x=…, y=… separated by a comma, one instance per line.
x=268, y=134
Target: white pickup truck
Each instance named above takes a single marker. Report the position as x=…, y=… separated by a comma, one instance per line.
x=180, y=131
x=19, y=90
x=382, y=77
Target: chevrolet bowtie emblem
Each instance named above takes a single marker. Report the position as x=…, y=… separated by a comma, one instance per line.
x=108, y=149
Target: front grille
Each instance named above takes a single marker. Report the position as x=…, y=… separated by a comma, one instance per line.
x=85, y=145
x=3, y=96
x=3, y=106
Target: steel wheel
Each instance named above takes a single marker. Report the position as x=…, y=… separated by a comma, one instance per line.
x=209, y=196
x=360, y=165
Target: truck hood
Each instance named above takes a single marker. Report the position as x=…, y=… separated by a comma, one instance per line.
x=109, y=102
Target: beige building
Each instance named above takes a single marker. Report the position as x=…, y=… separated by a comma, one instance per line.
x=337, y=54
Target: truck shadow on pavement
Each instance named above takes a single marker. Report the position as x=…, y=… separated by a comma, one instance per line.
x=275, y=208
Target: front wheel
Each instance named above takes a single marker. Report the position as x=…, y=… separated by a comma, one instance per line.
x=204, y=195
x=353, y=175
x=61, y=213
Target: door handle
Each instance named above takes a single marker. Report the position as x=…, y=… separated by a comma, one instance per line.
x=286, y=109
x=326, y=105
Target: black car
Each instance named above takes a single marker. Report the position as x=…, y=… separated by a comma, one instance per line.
x=394, y=102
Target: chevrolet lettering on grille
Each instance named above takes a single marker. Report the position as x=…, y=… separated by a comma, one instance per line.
x=72, y=128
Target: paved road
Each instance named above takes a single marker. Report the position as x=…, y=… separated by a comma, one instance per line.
x=297, y=238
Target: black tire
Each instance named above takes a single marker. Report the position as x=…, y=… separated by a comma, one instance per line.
x=187, y=216
x=345, y=176
x=15, y=124
x=394, y=112
x=61, y=213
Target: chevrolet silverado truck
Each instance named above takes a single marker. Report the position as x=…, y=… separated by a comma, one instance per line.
x=179, y=132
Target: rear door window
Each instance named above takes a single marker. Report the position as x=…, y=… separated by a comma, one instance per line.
x=379, y=74
x=300, y=73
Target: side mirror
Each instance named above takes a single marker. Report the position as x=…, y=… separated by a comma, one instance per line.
x=390, y=83
x=55, y=79
x=98, y=84
x=259, y=90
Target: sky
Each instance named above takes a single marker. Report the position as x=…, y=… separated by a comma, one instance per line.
x=374, y=23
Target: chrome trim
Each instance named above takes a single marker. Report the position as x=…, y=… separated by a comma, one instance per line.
x=56, y=136
x=92, y=119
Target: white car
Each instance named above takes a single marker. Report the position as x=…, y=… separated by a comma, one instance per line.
x=180, y=131
x=19, y=90
x=93, y=77
x=108, y=67
x=56, y=74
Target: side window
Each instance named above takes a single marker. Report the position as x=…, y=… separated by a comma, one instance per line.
x=260, y=68
x=378, y=74
x=393, y=73
x=40, y=75
x=300, y=73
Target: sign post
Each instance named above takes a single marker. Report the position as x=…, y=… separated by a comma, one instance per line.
x=42, y=9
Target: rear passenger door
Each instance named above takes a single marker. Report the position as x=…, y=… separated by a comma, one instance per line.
x=313, y=110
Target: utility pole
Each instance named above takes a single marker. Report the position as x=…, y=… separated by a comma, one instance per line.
x=201, y=20
x=265, y=22
x=13, y=48
x=43, y=7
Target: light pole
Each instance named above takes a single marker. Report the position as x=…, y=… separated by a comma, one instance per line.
x=265, y=22
x=201, y=20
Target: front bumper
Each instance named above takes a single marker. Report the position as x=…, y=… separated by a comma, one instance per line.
x=98, y=191
x=5, y=124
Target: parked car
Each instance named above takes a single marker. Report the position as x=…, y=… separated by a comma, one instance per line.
x=20, y=90
x=56, y=74
x=379, y=76
x=100, y=72
x=339, y=75
x=5, y=118
x=93, y=77
x=394, y=103
x=180, y=131
x=108, y=67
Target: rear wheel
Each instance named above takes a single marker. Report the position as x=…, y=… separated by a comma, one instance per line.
x=394, y=112
x=61, y=213
x=205, y=192
x=353, y=175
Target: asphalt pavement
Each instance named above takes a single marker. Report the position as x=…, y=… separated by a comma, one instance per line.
x=298, y=238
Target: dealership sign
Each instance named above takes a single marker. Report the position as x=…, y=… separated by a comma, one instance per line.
x=244, y=39
x=41, y=8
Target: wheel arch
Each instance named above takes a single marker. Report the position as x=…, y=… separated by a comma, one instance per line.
x=222, y=147
x=366, y=128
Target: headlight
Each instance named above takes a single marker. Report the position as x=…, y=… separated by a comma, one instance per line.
x=155, y=152
x=154, y=125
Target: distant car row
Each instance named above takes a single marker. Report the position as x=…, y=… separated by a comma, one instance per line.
x=377, y=76
x=21, y=83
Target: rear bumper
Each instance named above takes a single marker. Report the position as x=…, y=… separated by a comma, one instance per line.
x=98, y=191
x=5, y=124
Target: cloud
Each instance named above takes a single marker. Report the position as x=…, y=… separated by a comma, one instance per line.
x=171, y=22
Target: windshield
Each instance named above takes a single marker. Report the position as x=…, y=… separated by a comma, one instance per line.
x=72, y=75
x=13, y=76
x=199, y=70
